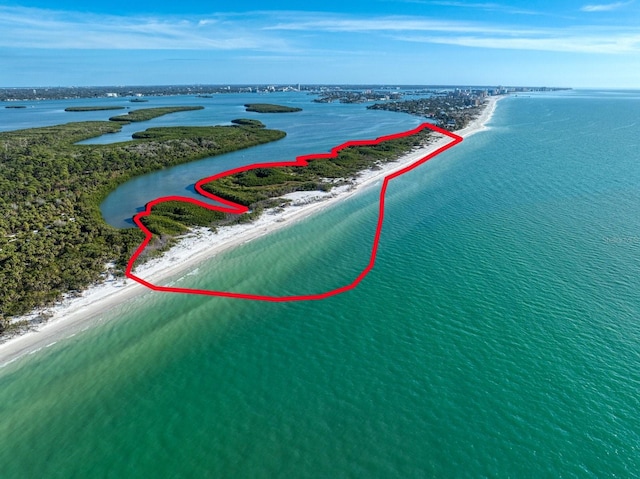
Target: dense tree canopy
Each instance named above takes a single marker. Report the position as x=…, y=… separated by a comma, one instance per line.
x=53, y=238
x=270, y=108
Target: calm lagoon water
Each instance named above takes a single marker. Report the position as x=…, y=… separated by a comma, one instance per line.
x=497, y=336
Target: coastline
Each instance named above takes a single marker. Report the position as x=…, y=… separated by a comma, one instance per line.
x=75, y=313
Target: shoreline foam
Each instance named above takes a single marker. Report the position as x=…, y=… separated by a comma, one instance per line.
x=72, y=313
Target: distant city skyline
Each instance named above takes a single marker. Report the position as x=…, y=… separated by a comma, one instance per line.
x=578, y=44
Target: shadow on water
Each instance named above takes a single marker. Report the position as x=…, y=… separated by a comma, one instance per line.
x=129, y=221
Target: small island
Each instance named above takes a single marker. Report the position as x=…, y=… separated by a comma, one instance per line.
x=269, y=108
x=248, y=122
x=93, y=108
x=151, y=113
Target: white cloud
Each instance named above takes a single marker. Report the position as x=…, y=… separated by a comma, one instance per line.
x=567, y=43
x=492, y=7
x=583, y=39
x=37, y=28
x=391, y=24
x=607, y=7
x=295, y=33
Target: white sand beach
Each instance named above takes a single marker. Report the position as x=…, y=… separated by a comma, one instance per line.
x=76, y=313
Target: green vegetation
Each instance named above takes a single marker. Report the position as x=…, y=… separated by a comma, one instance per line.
x=53, y=238
x=257, y=188
x=268, y=108
x=175, y=217
x=178, y=132
x=145, y=114
x=247, y=122
x=93, y=108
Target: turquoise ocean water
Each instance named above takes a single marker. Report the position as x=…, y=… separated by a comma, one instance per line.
x=497, y=336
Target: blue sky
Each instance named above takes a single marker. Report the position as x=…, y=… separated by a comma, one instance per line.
x=135, y=42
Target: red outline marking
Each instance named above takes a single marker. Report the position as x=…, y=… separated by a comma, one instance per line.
x=239, y=209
